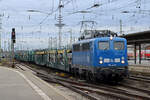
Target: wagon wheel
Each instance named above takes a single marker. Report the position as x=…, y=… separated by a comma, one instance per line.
x=73, y=71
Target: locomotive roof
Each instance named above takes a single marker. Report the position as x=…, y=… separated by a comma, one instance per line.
x=101, y=38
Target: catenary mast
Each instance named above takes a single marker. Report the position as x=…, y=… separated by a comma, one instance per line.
x=60, y=24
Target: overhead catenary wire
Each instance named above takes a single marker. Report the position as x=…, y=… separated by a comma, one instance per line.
x=125, y=6
x=135, y=16
x=54, y=12
x=129, y=4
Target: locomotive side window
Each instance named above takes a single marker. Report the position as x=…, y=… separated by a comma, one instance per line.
x=85, y=46
x=118, y=45
x=76, y=47
x=103, y=45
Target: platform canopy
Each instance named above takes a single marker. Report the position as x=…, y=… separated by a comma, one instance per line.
x=138, y=38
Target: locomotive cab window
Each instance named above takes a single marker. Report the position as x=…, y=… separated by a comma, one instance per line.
x=85, y=46
x=103, y=45
x=76, y=47
x=118, y=45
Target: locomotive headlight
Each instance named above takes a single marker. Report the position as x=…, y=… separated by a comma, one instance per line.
x=122, y=61
x=100, y=62
x=111, y=37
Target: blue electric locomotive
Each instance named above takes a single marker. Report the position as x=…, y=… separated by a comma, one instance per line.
x=103, y=58
x=100, y=55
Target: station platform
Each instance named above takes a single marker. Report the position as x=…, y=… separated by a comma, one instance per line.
x=17, y=85
x=139, y=68
x=144, y=67
x=144, y=63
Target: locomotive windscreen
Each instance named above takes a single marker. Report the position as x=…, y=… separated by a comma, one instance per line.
x=104, y=45
x=118, y=45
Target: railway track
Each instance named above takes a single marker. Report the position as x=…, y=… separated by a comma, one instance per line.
x=114, y=91
x=53, y=80
x=88, y=90
x=140, y=78
x=135, y=88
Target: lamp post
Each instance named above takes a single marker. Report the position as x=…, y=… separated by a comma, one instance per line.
x=0, y=34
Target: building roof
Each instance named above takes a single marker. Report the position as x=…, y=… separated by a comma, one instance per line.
x=138, y=38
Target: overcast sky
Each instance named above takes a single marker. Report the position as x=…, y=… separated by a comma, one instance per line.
x=106, y=16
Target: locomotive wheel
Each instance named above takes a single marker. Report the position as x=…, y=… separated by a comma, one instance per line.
x=83, y=75
x=87, y=76
x=91, y=77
